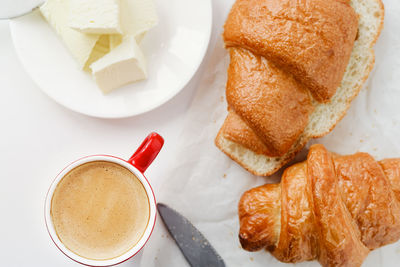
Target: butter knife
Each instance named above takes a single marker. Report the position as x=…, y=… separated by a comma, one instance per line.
x=194, y=246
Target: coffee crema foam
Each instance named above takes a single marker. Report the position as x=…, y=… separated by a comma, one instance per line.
x=100, y=210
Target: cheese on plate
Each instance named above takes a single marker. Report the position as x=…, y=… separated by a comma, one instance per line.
x=138, y=17
x=101, y=48
x=95, y=16
x=103, y=36
x=122, y=65
x=79, y=44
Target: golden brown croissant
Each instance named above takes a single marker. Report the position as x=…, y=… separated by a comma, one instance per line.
x=331, y=208
x=288, y=57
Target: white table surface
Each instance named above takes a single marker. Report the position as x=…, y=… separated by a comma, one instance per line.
x=39, y=137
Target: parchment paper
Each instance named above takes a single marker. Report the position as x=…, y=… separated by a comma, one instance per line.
x=205, y=185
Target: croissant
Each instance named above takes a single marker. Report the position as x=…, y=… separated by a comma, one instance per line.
x=295, y=67
x=331, y=208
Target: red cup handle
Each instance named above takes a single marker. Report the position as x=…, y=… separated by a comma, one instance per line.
x=147, y=152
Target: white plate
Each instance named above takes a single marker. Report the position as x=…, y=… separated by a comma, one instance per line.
x=174, y=50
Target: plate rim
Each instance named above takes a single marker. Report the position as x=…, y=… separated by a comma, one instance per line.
x=182, y=85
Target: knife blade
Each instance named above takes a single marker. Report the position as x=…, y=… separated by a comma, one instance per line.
x=194, y=246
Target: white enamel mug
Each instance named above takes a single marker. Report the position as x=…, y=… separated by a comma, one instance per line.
x=137, y=164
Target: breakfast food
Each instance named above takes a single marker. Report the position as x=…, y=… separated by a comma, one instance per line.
x=123, y=63
x=295, y=68
x=79, y=44
x=95, y=16
x=104, y=36
x=100, y=210
x=331, y=208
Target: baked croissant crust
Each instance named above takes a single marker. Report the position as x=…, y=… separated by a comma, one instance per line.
x=284, y=54
x=330, y=208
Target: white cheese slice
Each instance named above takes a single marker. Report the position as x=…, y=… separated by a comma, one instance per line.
x=137, y=17
x=124, y=64
x=115, y=40
x=101, y=48
x=95, y=16
x=79, y=44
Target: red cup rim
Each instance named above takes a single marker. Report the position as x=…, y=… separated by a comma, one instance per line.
x=54, y=182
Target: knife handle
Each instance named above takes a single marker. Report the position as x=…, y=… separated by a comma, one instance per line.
x=147, y=152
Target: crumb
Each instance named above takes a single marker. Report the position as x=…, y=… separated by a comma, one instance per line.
x=215, y=121
x=224, y=175
x=375, y=111
x=361, y=140
x=351, y=134
x=251, y=258
x=374, y=149
x=222, y=99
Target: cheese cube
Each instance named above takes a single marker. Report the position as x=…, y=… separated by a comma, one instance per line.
x=95, y=16
x=122, y=65
x=79, y=44
x=137, y=17
x=101, y=48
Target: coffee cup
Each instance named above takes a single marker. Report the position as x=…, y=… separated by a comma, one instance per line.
x=100, y=210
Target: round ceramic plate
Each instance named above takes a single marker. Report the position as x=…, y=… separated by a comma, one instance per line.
x=174, y=50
